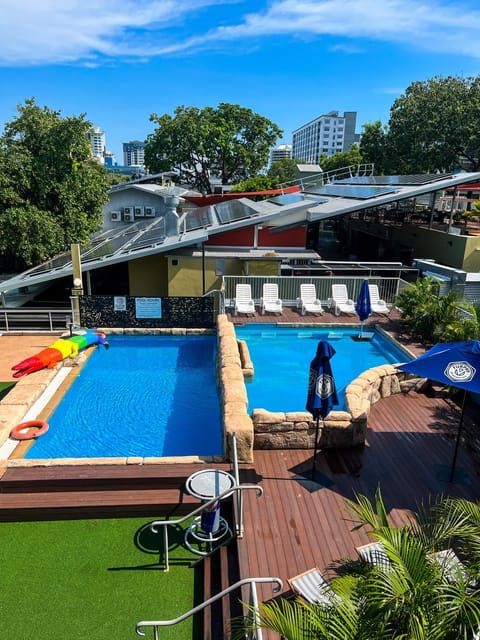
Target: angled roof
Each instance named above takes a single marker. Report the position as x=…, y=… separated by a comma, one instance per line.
x=316, y=202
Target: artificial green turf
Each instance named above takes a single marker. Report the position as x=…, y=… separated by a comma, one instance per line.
x=5, y=388
x=92, y=580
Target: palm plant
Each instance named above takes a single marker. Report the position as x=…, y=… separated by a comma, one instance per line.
x=413, y=598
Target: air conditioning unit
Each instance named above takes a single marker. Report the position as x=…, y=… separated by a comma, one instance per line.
x=139, y=212
x=149, y=212
x=116, y=216
x=128, y=214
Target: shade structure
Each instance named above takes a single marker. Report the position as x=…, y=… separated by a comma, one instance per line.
x=322, y=393
x=363, y=306
x=456, y=364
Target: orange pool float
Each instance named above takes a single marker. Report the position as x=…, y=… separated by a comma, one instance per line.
x=40, y=425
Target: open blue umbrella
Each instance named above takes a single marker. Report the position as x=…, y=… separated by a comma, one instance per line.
x=363, y=305
x=322, y=394
x=456, y=364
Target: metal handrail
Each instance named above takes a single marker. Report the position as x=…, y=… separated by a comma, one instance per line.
x=239, y=495
x=221, y=298
x=166, y=523
x=16, y=319
x=245, y=581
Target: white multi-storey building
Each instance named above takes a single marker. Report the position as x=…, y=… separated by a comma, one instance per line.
x=280, y=153
x=97, y=143
x=327, y=134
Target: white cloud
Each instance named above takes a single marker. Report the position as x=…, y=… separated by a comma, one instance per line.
x=92, y=31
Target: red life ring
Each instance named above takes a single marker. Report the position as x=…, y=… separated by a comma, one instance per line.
x=40, y=425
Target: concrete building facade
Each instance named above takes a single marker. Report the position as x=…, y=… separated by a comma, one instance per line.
x=329, y=134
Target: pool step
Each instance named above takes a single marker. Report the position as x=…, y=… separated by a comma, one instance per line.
x=90, y=491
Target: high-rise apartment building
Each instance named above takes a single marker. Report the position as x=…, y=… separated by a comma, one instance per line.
x=96, y=138
x=327, y=134
x=134, y=153
x=280, y=153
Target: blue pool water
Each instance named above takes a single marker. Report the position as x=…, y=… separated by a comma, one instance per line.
x=281, y=359
x=144, y=396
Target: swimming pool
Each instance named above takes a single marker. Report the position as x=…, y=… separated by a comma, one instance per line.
x=145, y=396
x=281, y=359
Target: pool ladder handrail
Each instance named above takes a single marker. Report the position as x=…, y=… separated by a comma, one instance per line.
x=252, y=606
x=221, y=298
x=166, y=523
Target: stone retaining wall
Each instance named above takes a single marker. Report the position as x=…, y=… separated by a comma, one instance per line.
x=340, y=429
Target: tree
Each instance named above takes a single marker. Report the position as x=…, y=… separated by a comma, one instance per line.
x=373, y=146
x=349, y=158
x=412, y=596
x=259, y=182
x=51, y=193
x=283, y=172
x=435, y=126
x=230, y=143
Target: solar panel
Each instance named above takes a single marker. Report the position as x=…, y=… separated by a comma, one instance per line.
x=287, y=198
x=198, y=218
x=155, y=234
x=358, y=192
x=54, y=263
x=110, y=246
x=407, y=180
x=233, y=210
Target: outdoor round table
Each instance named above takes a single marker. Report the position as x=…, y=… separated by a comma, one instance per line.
x=210, y=527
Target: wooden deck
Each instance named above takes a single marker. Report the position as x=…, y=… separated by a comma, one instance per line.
x=298, y=524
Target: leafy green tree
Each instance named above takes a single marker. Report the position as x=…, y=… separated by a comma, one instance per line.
x=352, y=157
x=230, y=142
x=257, y=183
x=51, y=193
x=411, y=596
x=373, y=146
x=435, y=126
x=283, y=172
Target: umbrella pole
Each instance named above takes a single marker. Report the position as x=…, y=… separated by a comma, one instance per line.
x=315, y=449
x=457, y=444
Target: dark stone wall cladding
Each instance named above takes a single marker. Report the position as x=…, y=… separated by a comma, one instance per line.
x=189, y=312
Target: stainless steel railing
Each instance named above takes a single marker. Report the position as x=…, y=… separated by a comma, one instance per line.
x=253, y=601
x=205, y=505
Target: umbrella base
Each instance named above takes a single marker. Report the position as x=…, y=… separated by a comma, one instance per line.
x=364, y=335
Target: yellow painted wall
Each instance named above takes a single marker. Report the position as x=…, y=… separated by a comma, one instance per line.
x=148, y=276
x=449, y=249
x=263, y=268
x=185, y=276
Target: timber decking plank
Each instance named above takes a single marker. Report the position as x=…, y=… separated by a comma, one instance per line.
x=408, y=438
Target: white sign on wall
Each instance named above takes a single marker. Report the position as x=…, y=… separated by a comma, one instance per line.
x=119, y=303
x=148, y=307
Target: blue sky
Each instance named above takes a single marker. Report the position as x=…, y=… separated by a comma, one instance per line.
x=118, y=61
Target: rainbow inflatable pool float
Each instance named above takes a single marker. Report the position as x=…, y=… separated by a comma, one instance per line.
x=58, y=351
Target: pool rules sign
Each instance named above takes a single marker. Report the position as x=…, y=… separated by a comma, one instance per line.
x=148, y=307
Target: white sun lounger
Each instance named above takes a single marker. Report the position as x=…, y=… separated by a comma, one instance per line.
x=340, y=301
x=243, y=301
x=308, y=301
x=378, y=305
x=270, y=302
